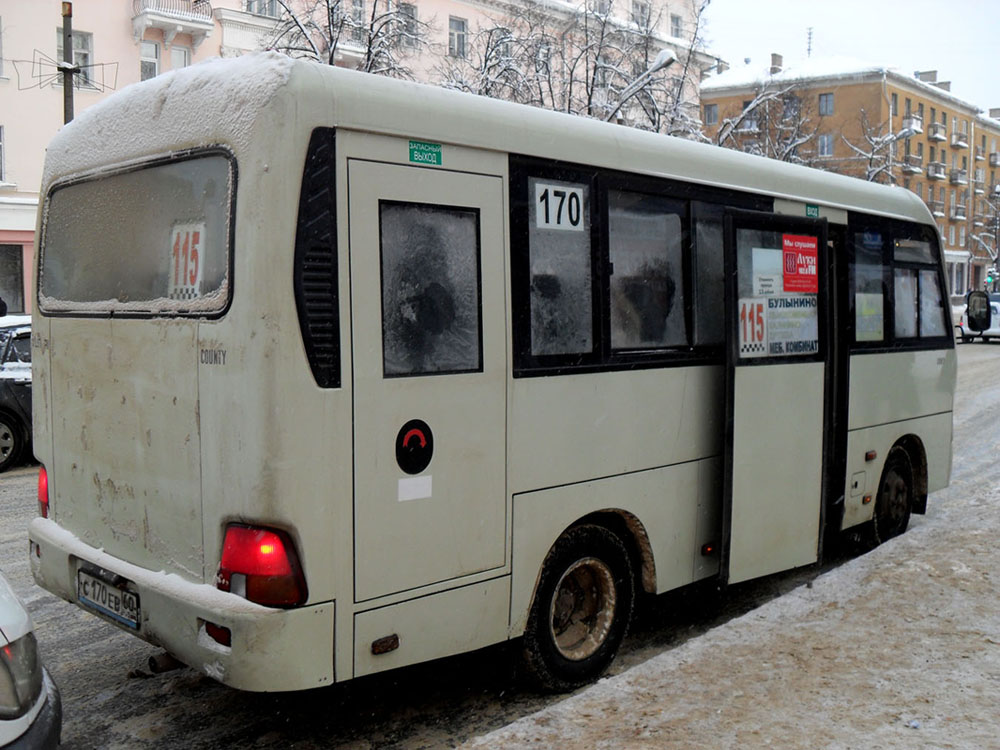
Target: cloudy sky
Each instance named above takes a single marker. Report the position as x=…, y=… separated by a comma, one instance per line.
x=958, y=38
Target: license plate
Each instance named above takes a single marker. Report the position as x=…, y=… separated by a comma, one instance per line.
x=109, y=600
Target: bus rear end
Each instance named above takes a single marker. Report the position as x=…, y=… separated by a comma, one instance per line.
x=142, y=521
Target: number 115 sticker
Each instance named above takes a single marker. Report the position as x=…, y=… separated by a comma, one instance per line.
x=753, y=327
x=186, y=242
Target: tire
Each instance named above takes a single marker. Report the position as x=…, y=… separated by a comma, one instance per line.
x=582, y=608
x=11, y=441
x=895, y=497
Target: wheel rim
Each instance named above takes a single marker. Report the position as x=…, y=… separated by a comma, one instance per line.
x=7, y=441
x=895, y=500
x=583, y=608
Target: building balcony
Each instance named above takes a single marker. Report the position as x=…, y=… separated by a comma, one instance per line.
x=173, y=17
x=958, y=213
x=980, y=153
x=936, y=207
x=960, y=140
x=959, y=177
x=937, y=132
x=913, y=122
x=979, y=187
x=936, y=170
x=912, y=164
x=978, y=221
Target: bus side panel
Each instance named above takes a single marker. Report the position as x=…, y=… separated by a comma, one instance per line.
x=863, y=477
x=578, y=427
x=432, y=627
x=677, y=506
x=893, y=386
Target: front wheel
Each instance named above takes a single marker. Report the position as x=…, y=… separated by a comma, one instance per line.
x=895, y=496
x=582, y=608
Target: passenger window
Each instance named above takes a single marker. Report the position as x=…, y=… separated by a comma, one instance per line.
x=561, y=290
x=646, y=272
x=707, y=257
x=869, y=287
x=430, y=289
x=906, y=302
x=931, y=311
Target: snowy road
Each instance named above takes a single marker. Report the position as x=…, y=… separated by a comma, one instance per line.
x=810, y=694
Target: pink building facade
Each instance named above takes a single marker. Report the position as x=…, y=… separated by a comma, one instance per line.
x=120, y=42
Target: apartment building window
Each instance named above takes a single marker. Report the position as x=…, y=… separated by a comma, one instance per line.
x=12, y=277
x=826, y=144
x=640, y=13
x=826, y=104
x=961, y=236
x=920, y=149
x=711, y=114
x=358, y=21
x=909, y=106
x=602, y=7
x=920, y=190
x=676, y=26
x=894, y=105
x=933, y=114
x=944, y=118
x=458, y=32
x=180, y=57
x=951, y=235
x=263, y=7
x=750, y=118
x=408, y=17
x=933, y=152
x=83, y=53
x=149, y=60
x=920, y=110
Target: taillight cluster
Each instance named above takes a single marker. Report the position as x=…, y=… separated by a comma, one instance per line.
x=43, y=493
x=260, y=564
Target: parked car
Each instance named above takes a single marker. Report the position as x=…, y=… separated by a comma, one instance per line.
x=15, y=392
x=993, y=332
x=30, y=706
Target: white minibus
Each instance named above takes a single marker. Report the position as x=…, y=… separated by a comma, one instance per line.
x=335, y=373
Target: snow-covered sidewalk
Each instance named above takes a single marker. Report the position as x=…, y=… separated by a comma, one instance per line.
x=899, y=648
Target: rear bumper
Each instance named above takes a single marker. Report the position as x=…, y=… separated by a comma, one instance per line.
x=272, y=649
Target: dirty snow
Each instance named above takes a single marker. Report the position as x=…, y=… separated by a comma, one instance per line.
x=899, y=648
x=216, y=101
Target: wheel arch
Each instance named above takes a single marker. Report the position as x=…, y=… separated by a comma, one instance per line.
x=914, y=449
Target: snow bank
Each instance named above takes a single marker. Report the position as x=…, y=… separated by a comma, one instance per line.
x=216, y=101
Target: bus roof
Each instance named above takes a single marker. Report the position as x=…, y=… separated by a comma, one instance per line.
x=218, y=102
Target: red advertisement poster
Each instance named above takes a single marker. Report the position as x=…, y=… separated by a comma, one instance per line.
x=801, y=257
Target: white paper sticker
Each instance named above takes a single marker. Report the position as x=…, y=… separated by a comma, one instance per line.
x=559, y=207
x=414, y=488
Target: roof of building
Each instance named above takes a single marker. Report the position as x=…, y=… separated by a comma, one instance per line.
x=826, y=69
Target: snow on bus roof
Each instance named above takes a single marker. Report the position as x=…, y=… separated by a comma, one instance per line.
x=179, y=106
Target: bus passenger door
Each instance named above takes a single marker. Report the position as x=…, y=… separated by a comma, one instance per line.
x=777, y=384
x=429, y=375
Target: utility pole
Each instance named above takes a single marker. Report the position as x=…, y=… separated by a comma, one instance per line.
x=68, y=68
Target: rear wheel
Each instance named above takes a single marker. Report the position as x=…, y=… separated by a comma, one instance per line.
x=582, y=608
x=11, y=441
x=895, y=496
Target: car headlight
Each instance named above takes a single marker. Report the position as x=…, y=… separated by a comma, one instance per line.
x=20, y=676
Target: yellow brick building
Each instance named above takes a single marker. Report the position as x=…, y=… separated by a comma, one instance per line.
x=879, y=124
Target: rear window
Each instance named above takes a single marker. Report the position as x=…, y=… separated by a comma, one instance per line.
x=151, y=240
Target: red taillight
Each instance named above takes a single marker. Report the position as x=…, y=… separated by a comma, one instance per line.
x=261, y=565
x=43, y=492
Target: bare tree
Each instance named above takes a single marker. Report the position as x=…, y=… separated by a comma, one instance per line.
x=380, y=36
x=774, y=123
x=877, y=151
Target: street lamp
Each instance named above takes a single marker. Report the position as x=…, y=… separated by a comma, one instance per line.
x=664, y=59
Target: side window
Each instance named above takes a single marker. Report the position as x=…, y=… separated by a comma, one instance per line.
x=20, y=349
x=895, y=283
x=707, y=258
x=430, y=289
x=560, y=267
x=646, y=272
x=868, y=275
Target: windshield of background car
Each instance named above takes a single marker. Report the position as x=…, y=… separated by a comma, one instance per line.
x=151, y=240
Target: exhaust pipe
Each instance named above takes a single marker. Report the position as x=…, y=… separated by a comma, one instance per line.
x=164, y=663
